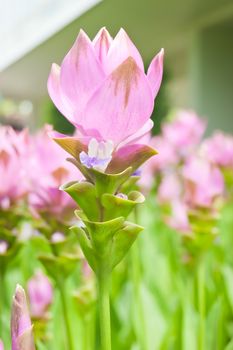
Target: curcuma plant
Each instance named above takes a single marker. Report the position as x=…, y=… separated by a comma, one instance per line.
x=102, y=89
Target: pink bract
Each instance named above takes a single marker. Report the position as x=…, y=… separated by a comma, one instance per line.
x=14, y=148
x=49, y=170
x=185, y=131
x=203, y=181
x=102, y=89
x=219, y=149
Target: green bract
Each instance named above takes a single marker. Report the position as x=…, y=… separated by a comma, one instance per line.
x=102, y=230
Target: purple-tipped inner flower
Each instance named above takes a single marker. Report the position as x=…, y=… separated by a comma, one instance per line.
x=137, y=172
x=93, y=162
x=99, y=155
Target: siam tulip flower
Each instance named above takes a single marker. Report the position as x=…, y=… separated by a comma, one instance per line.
x=170, y=193
x=185, y=131
x=203, y=181
x=170, y=188
x=13, y=154
x=21, y=327
x=167, y=159
x=102, y=89
x=40, y=293
x=50, y=171
x=179, y=216
x=219, y=149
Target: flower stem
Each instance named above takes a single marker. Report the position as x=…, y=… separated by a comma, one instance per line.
x=66, y=318
x=201, y=303
x=104, y=310
x=88, y=331
x=136, y=278
x=2, y=302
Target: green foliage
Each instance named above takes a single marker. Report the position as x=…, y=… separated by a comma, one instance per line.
x=154, y=294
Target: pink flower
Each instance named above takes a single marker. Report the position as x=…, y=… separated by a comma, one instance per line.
x=219, y=149
x=185, y=131
x=1, y=345
x=203, y=181
x=102, y=89
x=40, y=294
x=50, y=170
x=167, y=158
x=170, y=188
x=21, y=327
x=179, y=216
x=13, y=155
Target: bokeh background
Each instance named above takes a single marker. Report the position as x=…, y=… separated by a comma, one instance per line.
x=196, y=35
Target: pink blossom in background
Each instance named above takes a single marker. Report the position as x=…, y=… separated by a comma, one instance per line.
x=170, y=188
x=179, y=216
x=1, y=345
x=184, y=131
x=219, y=149
x=40, y=293
x=49, y=171
x=167, y=158
x=203, y=181
x=13, y=155
x=21, y=327
x=102, y=89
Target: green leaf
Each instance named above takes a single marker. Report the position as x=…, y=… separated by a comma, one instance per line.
x=85, y=244
x=123, y=240
x=115, y=206
x=59, y=267
x=84, y=194
x=109, y=183
x=101, y=233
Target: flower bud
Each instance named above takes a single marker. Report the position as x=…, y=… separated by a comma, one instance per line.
x=21, y=327
x=40, y=294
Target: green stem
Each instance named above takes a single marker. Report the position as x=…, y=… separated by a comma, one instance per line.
x=66, y=318
x=104, y=310
x=136, y=275
x=2, y=302
x=201, y=303
x=88, y=331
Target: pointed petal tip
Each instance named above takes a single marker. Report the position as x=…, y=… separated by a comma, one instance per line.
x=19, y=289
x=82, y=37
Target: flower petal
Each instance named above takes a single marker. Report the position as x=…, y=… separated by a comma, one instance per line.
x=155, y=72
x=139, y=136
x=70, y=144
x=81, y=73
x=121, y=48
x=122, y=104
x=102, y=42
x=130, y=156
x=54, y=89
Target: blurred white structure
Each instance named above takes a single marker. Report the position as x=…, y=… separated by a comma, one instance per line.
x=25, y=24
